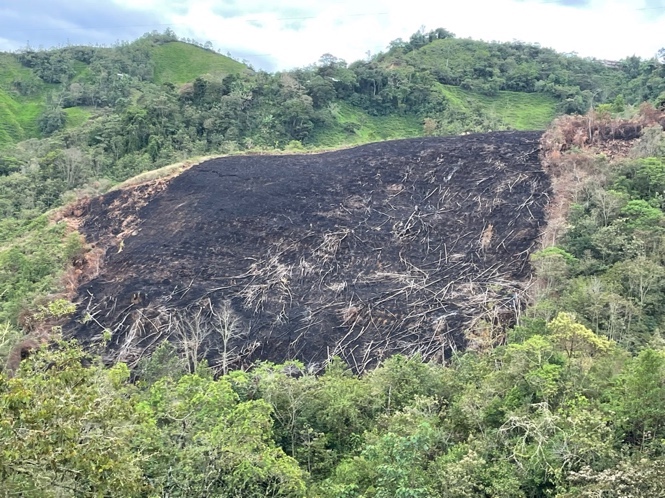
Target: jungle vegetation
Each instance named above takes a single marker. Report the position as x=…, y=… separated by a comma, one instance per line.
x=569, y=402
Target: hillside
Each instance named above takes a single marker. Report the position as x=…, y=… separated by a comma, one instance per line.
x=26, y=92
x=107, y=114
x=353, y=125
x=178, y=63
x=457, y=85
x=18, y=116
x=478, y=315
x=392, y=247
x=516, y=110
x=512, y=110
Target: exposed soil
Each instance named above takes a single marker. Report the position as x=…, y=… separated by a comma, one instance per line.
x=391, y=247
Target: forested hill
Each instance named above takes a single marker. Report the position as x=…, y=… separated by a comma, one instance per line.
x=569, y=402
x=108, y=113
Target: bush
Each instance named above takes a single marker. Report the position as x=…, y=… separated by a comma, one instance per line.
x=52, y=120
x=651, y=143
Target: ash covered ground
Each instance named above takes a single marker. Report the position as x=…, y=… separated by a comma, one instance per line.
x=398, y=246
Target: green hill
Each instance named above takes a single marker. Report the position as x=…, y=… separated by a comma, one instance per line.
x=352, y=125
x=18, y=115
x=517, y=110
x=173, y=62
x=10, y=70
x=178, y=62
x=18, y=118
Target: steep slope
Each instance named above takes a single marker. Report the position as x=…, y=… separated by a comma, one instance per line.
x=391, y=247
x=18, y=115
x=174, y=62
x=517, y=110
x=178, y=62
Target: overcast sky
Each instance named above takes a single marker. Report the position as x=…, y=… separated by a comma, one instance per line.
x=281, y=34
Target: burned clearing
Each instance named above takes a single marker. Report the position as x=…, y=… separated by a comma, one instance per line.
x=398, y=246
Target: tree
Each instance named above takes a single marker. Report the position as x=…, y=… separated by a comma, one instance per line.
x=52, y=120
x=641, y=214
x=608, y=204
x=297, y=116
x=207, y=332
x=342, y=408
x=429, y=126
x=394, y=462
x=74, y=166
x=205, y=442
x=641, y=279
x=289, y=394
x=321, y=90
x=575, y=339
x=638, y=400
x=630, y=478
x=229, y=328
x=532, y=371
x=67, y=426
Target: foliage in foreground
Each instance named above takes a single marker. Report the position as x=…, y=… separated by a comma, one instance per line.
x=71, y=427
x=558, y=411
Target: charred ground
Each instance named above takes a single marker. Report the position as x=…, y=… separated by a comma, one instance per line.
x=390, y=247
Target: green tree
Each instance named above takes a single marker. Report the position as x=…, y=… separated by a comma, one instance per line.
x=66, y=428
x=639, y=400
x=575, y=339
x=52, y=120
x=205, y=442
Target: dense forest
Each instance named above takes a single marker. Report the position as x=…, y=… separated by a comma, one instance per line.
x=569, y=402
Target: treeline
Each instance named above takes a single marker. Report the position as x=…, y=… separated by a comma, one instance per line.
x=138, y=125
x=558, y=411
x=578, y=83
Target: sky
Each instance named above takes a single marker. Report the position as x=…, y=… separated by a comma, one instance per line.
x=283, y=34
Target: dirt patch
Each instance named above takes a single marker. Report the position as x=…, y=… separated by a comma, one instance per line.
x=391, y=247
x=597, y=131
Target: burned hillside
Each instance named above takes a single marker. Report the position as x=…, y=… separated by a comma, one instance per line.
x=391, y=247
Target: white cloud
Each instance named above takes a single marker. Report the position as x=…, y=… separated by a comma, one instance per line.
x=291, y=33
x=7, y=45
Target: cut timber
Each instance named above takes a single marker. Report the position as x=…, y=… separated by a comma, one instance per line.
x=390, y=247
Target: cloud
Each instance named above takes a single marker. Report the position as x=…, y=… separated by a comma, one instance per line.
x=571, y=3
x=292, y=33
x=654, y=9
x=606, y=29
x=50, y=23
x=293, y=9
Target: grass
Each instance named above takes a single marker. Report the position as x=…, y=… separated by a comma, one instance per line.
x=76, y=116
x=18, y=114
x=82, y=72
x=355, y=126
x=18, y=118
x=178, y=62
x=10, y=129
x=164, y=172
x=11, y=70
x=520, y=111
